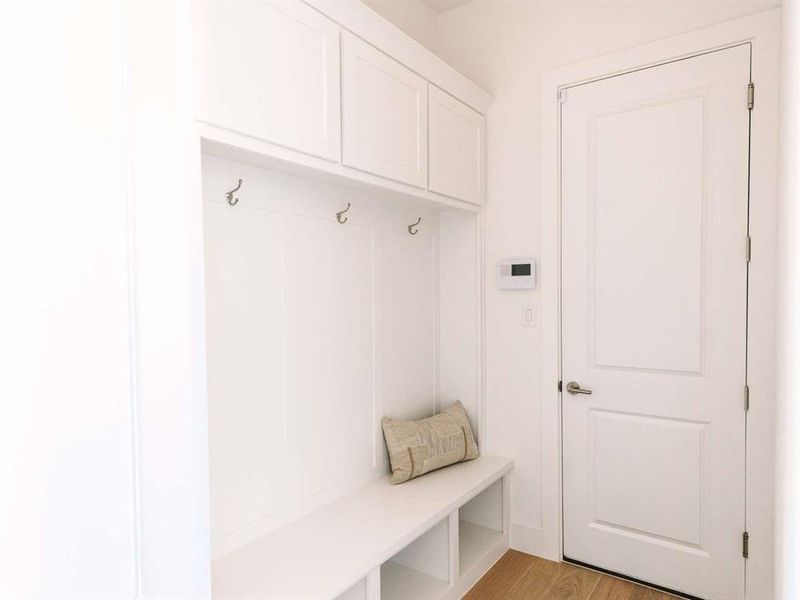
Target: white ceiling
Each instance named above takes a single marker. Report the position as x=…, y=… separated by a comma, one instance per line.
x=442, y=5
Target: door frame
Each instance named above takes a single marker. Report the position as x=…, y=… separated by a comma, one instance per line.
x=762, y=31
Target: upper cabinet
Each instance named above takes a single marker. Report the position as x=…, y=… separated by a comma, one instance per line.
x=457, y=142
x=333, y=90
x=270, y=70
x=385, y=115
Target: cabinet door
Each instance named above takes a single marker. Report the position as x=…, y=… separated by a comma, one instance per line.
x=385, y=108
x=270, y=70
x=457, y=161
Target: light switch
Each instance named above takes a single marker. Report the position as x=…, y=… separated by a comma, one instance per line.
x=529, y=315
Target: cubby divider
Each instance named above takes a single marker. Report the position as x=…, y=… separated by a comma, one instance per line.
x=480, y=526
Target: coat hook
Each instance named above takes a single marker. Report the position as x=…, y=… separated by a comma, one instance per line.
x=412, y=228
x=231, y=200
x=340, y=213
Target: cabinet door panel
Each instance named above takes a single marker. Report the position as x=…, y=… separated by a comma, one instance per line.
x=385, y=115
x=457, y=159
x=270, y=70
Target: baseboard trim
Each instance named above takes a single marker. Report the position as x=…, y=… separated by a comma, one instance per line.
x=533, y=541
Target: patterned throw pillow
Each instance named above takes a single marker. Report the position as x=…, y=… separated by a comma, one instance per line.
x=417, y=447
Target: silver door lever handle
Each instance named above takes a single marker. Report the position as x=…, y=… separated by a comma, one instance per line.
x=573, y=387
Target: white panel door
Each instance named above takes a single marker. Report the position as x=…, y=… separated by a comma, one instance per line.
x=269, y=70
x=385, y=108
x=654, y=226
x=457, y=158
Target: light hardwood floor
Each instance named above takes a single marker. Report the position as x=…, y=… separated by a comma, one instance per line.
x=519, y=576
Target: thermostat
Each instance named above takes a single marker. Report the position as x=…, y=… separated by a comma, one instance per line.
x=516, y=274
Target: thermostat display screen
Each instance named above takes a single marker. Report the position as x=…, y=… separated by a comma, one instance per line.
x=517, y=273
x=521, y=270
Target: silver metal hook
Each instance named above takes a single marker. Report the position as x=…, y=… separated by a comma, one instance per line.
x=229, y=196
x=340, y=213
x=411, y=228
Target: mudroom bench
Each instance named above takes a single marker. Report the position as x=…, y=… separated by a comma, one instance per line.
x=432, y=537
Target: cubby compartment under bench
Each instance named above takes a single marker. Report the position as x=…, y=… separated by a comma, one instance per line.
x=414, y=540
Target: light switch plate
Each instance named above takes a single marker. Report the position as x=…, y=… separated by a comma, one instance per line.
x=529, y=315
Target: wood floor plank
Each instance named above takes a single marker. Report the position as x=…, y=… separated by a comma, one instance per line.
x=519, y=576
x=547, y=580
x=501, y=577
x=572, y=583
x=611, y=588
x=537, y=580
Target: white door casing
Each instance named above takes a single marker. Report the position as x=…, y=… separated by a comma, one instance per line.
x=654, y=301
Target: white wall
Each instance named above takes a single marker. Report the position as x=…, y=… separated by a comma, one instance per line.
x=67, y=504
x=504, y=47
x=315, y=330
x=168, y=395
x=414, y=17
x=787, y=406
x=85, y=511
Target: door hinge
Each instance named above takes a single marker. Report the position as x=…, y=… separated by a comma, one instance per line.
x=559, y=386
x=746, y=397
x=748, y=248
x=746, y=544
x=562, y=95
x=751, y=95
